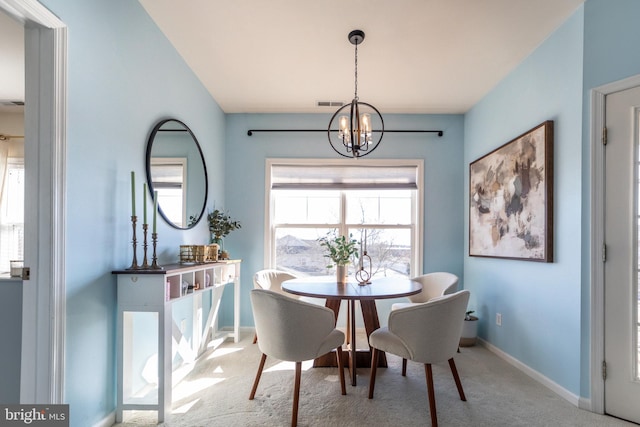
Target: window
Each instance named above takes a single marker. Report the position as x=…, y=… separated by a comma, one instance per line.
x=375, y=202
x=12, y=214
x=168, y=176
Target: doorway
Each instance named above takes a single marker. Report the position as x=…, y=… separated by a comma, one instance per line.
x=43, y=293
x=11, y=203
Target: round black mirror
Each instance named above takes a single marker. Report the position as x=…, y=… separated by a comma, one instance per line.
x=177, y=172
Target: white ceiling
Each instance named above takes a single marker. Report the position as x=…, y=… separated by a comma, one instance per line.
x=418, y=56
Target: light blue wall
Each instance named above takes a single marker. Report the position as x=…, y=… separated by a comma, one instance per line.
x=539, y=303
x=124, y=76
x=611, y=40
x=245, y=176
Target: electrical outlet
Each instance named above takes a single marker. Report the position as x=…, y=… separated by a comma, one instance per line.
x=498, y=319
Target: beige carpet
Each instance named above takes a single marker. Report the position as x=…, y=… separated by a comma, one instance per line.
x=216, y=393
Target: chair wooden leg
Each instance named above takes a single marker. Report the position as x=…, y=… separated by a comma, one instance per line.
x=296, y=395
x=404, y=367
x=431, y=393
x=341, y=369
x=374, y=367
x=456, y=378
x=255, y=338
x=255, y=383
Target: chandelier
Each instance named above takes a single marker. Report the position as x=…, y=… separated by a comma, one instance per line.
x=351, y=129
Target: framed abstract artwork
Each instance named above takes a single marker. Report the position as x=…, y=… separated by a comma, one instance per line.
x=511, y=199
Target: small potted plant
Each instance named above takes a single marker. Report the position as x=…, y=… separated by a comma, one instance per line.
x=340, y=250
x=469, y=330
x=220, y=225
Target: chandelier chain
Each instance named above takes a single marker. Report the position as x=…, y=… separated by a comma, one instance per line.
x=356, y=74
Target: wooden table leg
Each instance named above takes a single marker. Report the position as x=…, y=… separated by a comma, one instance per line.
x=329, y=359
x=353, y=357
x=371, y=323
x=333, y=304
x=353, y=349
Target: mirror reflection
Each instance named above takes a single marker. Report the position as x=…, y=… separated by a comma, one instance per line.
x=176, y=170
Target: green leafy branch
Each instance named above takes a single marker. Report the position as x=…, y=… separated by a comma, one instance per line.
x=221, y=224
x=340, y=250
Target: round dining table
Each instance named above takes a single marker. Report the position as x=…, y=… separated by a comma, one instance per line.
x=327, y=287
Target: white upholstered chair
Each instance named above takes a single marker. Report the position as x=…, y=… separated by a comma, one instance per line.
x=294, y=331
x=433, y=285
x=271, y=279
x=425, y=333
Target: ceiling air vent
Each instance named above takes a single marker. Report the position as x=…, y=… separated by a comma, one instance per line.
x=330, y=104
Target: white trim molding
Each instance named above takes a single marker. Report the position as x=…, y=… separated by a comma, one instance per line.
x=44, y=299
x=551, y=385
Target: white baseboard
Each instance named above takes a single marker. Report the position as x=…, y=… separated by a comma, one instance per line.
x=551, y=385
x=585, y=403
x=107, y=421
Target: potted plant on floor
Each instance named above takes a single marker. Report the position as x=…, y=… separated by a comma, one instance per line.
x=469, y=330
x=340, y=250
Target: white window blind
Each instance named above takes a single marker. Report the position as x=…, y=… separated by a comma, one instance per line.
x=319, y=177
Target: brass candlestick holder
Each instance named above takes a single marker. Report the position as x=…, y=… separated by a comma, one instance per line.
x=145, y=228
x=134, y=241
x=154, y=261
x=363, y=275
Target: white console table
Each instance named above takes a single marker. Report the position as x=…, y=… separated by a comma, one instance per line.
x=146, y=327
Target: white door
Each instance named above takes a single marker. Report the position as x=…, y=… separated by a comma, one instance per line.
x=622, y=383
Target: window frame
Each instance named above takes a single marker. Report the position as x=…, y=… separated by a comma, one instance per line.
x=417, y=204
x=13, y=163
x=162, y=186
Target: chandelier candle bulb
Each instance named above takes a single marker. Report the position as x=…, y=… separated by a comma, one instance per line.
x=343, y=128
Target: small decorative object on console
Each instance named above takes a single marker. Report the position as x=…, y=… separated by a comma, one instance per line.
x=211, y=252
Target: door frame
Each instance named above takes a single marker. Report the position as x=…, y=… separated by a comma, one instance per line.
x=44, y=300
x=598, y=99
